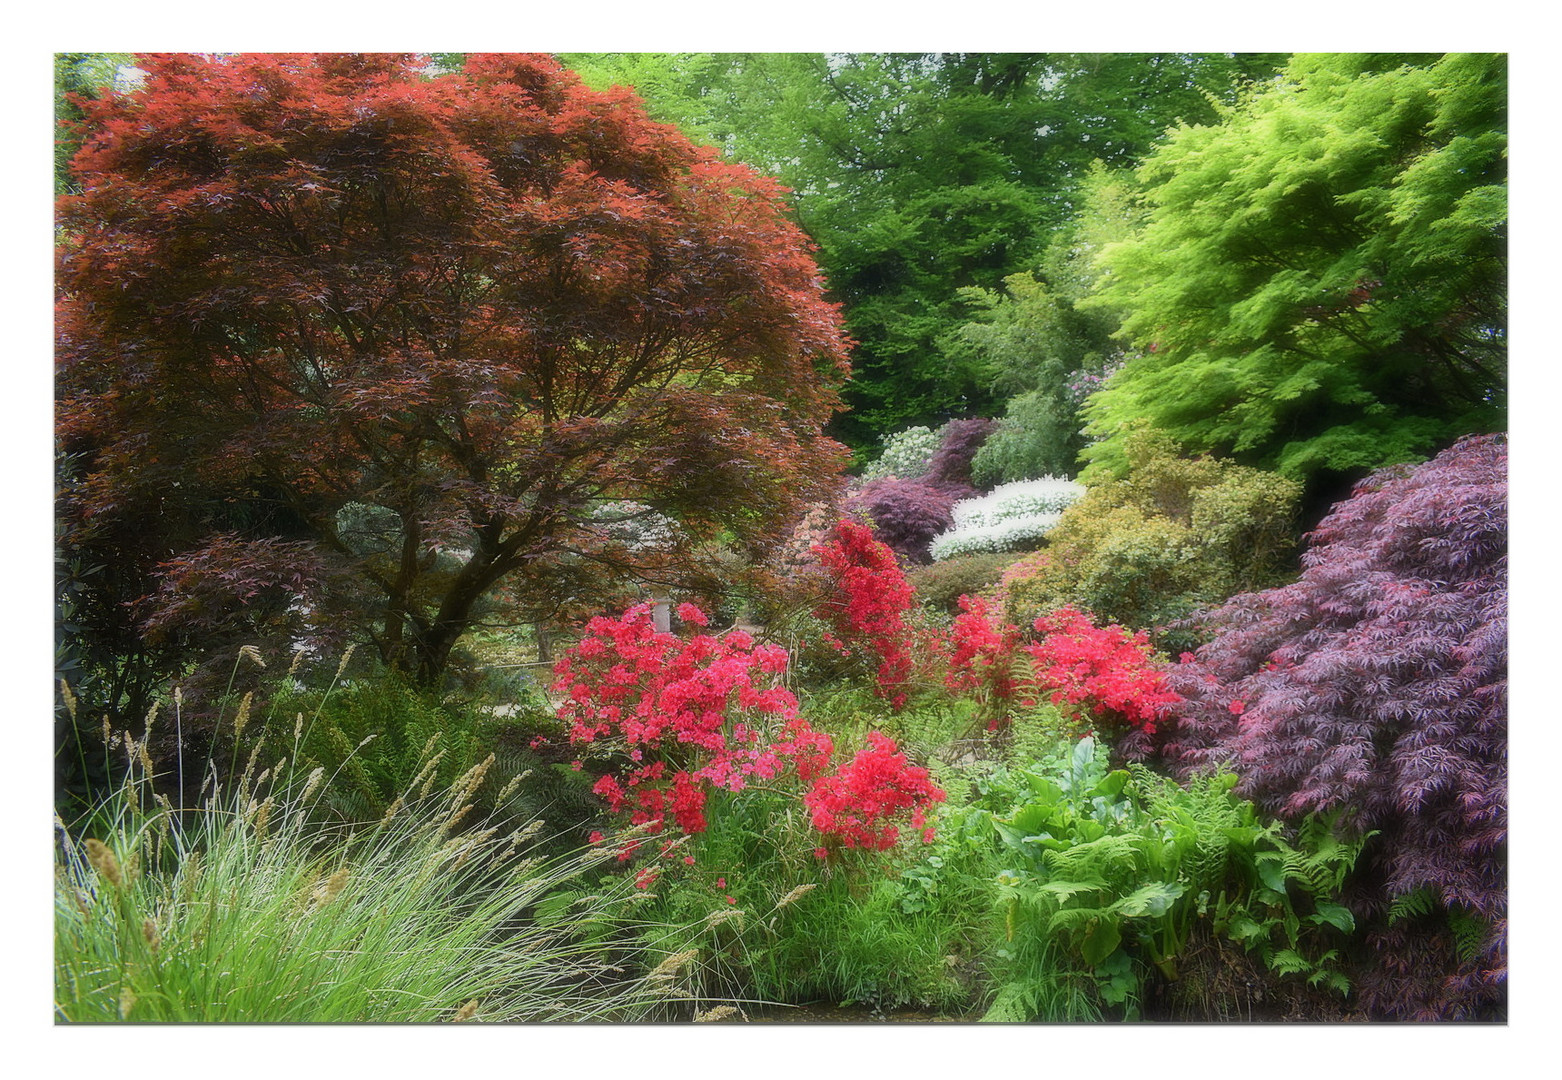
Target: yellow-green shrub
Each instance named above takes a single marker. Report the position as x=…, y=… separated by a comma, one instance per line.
x=1169, y=536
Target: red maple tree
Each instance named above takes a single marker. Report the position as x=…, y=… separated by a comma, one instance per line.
x=403, y=336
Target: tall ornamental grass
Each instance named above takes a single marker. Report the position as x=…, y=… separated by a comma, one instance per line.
x=246, y=910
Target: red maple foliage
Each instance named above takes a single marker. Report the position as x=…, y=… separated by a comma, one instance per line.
x=473, y=306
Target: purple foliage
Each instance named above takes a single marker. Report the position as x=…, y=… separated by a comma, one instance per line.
x=906, y=514
x=951, y=462
x=1376, y=687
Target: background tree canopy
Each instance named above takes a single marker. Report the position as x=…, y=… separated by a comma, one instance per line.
x=923, y=174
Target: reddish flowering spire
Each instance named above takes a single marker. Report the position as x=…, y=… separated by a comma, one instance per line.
x=983, y=658
x=870, y=605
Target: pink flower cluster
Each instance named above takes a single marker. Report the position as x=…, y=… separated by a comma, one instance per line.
x=703, y=714
x=982, y=660
x=1105, y=668
x=869, y=612
x=692, y=714
x=860, y=803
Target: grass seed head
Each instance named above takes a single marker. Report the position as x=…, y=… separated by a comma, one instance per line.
x=331, y=888
x=242, y=717
x=390, y=811
x=346, y=659
x=105, y=862
x=795, y=895
x=720, y=1012
x=263, y=816
x=252, y=654
x=724, y=915
x=315, y=779
x=465, y=1012
x=70, y=699
x=665, y=972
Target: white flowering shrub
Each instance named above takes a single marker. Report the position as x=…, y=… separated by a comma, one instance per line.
x=1011, y=517
x=905, y=455
x=1022, y=498
x=1015, y=534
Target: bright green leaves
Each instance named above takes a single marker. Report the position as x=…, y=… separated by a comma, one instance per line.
x=921, y=174
x=1319, y=285
x=1122, y=871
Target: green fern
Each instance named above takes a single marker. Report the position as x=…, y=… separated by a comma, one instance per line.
x=1471, y=933
x=1415, y=904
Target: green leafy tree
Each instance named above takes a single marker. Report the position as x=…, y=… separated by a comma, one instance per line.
x=1171, y=536
x=1320, y=284
x=921, y=174
x=1038, y=343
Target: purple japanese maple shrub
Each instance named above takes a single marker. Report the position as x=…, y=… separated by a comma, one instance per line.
x=906, y=514
x=1375, y=688
x=950, y=466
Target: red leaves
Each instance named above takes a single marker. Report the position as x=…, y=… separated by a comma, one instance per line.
x=334, y=278
x=1376, y=684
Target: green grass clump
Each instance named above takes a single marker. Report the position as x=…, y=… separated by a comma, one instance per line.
x=245, y=910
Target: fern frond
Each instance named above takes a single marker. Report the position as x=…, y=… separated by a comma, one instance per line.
x=1470, y=932
x=1289, y=962
x=1412, y=905
x=1095, y=858
x=1069, y=918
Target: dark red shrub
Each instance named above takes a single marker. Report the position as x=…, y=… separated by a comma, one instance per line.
x=1376, y=687
x=951, y=462
x=906, y=514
